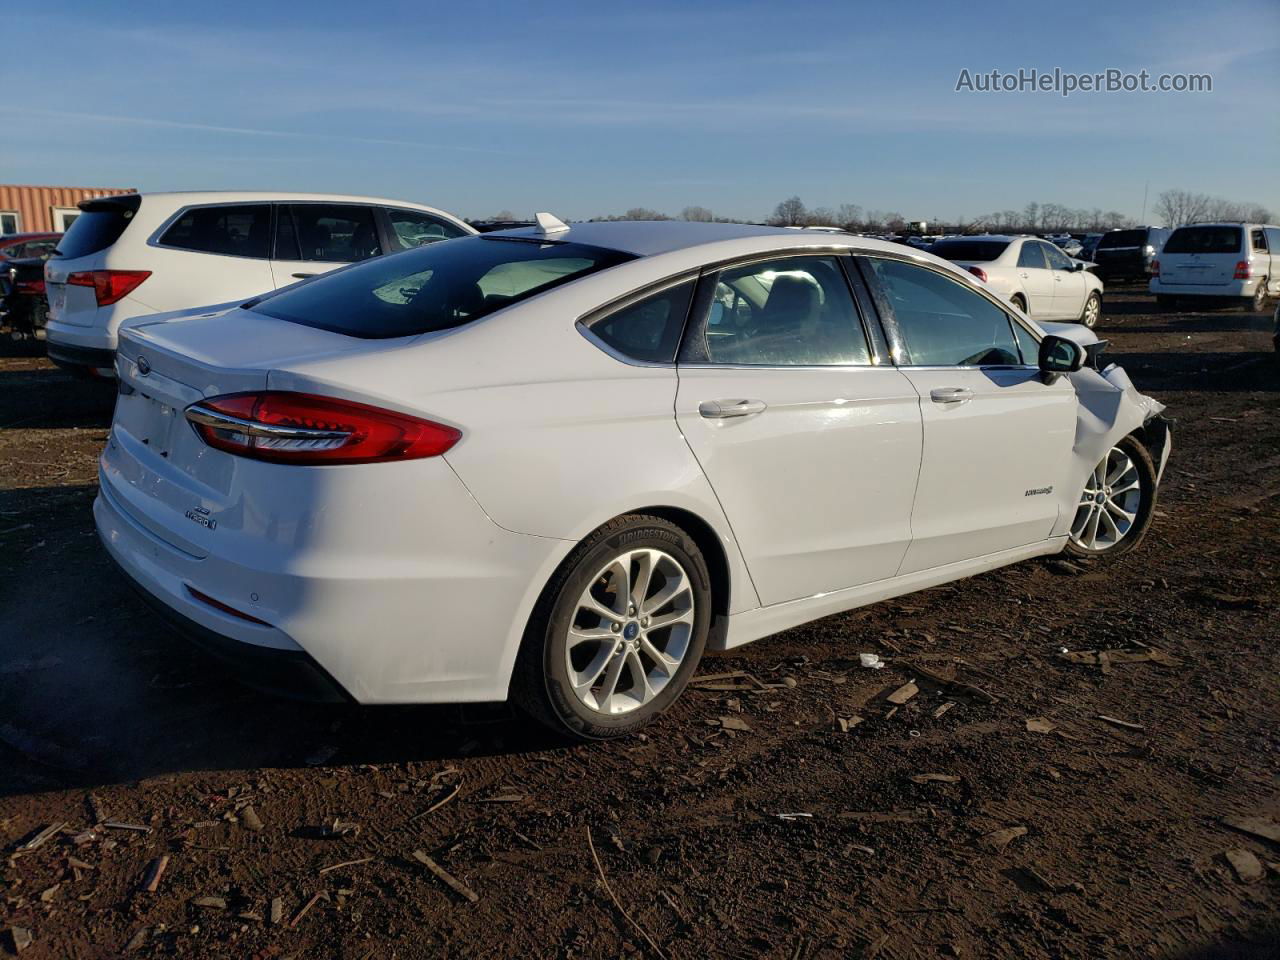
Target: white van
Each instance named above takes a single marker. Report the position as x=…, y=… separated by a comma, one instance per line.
x=139, y=254
x=1239, y=261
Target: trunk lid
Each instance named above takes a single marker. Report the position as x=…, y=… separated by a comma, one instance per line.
x=157, y=469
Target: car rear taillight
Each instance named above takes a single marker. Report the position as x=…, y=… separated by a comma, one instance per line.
x=1244, y=270
x=303, y=428
x=109, y=286
x=29, y=287
x=979, y=273
x=1155, y=268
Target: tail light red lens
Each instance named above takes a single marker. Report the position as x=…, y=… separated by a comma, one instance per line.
x=1244, y=270
x=109, y=286
x=303, y=428
x=979, y=273
x=29, y=287
x=1155, y=268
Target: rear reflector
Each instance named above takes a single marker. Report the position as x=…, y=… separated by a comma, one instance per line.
x=219, y=605
x=303, y=428
x=109, y=286
x=979, y=273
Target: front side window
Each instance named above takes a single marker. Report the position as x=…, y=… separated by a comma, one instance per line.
x=1056, y=258
x=435, y=287
x=941, y=321
x=413, y=228
x=1028, y=345
x=790, y=311
x=325, y=233
x=241, y=230
x=1030, y=257
x=650, y=328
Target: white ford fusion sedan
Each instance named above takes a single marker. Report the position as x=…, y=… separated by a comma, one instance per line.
x=557, y=464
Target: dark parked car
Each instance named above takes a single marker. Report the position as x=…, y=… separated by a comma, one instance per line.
x=23, y=305
x=1127, y=254
x=16, y=246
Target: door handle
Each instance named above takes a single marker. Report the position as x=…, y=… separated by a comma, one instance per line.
x=950, y=394
x=303, y=276
x=725, y=409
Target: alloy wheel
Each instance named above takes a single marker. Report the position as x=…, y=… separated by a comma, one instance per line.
x=1109, y=504
x=630, y=631
x=1092, y=309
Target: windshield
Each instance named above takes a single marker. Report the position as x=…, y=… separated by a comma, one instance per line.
x=435, y=287
x=979, y=250
x=1204, y=240
x=1123, y=238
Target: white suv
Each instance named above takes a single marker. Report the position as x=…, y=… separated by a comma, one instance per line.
x=141, y=254
x=1240, y=261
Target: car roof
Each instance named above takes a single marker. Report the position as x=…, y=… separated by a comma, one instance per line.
x=995, y=237
x=182, y=198
x=647, y=238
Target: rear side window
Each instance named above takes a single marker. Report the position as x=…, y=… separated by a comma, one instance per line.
x=413, y=228
x=235, y=230
x=650, y=328
x=99, y=226
x=435, y=287
x=969, y=250
x=1205, y=240
x=1031, y=256
x=326, y=233
x=943, y=322
x=1259, y=241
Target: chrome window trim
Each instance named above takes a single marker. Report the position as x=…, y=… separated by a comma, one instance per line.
x=598, y=314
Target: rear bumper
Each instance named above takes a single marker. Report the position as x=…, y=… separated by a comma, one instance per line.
x=1236, y=289
x=79, y=359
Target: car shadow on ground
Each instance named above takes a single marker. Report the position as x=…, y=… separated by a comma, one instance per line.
x=45, y=397
x=1233, y=372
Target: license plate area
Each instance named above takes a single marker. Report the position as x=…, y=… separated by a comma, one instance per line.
x=155, y=423
x=57, y=293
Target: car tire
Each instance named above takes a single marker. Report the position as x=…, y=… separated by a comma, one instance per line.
x=1258, y=302
x=1092, y=311
x=1119, y=508
x=551, y=669
x=1019, y=301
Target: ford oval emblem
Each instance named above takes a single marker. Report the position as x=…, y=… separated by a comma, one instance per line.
x=144, y=366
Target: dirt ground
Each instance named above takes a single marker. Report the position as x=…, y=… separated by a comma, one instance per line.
x=996, y=814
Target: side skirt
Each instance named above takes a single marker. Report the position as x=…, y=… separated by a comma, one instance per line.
x=764, y=621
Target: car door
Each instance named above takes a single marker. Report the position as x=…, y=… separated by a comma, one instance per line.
x=997, y=438
x=1036, y=280
x=233, y=246
x=810, y=446
x=314, y=238
x=1069, y=286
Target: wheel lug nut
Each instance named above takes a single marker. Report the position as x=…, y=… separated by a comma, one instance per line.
x=631, y=611
x=644, y=621
x=615, y=627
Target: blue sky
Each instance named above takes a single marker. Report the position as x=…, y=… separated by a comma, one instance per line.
x=591, y=108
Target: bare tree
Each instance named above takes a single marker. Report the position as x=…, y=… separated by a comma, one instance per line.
x=697, y=214
x=503, y=215
x=644, y=213
x=790, y=213
x=848, y=215
x=822, y=217
x=1176, y=207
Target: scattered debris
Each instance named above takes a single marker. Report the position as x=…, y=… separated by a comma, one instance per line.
x=210, y=903
x=340, y=828
x=735, y=723
x=1257, y=826
x=1124, y=724
x=871, y=661
x=997, y=840
x=137, y=940
x=949, y=680
x=155, y=870
x=604, y=882
x=935, y=778
x=1247, y=867
x=848, y=723
x=794, y=816
x=40, y=838
x=277, y=910
x=250, y=819
x=903, y=693
x=437, y=805
x=735, y=681
x=345, y=863
x=876, y=816
x=1105, y=659
x=448, y=879
x=943, y=709
x=297, y=917
x=135, y=827
x=1040, y=725
x=19, y=939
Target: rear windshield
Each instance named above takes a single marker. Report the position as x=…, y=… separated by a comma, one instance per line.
x=435, y=287
x=1123, y=238
x=969, y=249
x=98, y=226
x=1204, y=240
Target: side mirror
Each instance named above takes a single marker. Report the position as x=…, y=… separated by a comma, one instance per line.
x=1060, y=355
